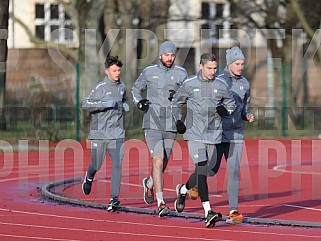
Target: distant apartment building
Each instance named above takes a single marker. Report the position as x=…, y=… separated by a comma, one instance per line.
x=39, y=19
x=205, y=22
x=200, y=25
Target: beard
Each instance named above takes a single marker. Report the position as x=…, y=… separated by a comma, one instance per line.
x=167, y=64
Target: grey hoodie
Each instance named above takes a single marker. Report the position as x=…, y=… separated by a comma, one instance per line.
x=105, y=103
x=158, y=81
x=202, y=121
x=233, y=125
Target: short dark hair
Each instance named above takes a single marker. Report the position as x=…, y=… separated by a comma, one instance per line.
x=111, y=60
x=206, y=57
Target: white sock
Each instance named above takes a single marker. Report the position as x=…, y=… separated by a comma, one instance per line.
x=183, y=189
x=150, y=182
x=232, y=211
x=159, y=197
x=207, y=207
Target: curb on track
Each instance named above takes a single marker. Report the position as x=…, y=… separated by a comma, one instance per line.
x=48, y=194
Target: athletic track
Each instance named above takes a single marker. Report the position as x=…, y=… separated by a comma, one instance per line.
x=280, y=194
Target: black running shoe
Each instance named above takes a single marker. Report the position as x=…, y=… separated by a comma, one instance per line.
x=180, y=201
x=148, y=192
x=86, y=185
x=212, y=218
x=113, y=204
x=163, y=210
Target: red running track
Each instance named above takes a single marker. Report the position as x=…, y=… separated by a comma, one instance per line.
x=280, y=180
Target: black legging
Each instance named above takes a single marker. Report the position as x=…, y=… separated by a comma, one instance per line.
x=199, y=179
x=222, y=149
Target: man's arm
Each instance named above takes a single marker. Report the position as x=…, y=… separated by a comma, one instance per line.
x=227, y=103
x=246, y=114
x=93, y=102
x=124, y=102
x=138, y=87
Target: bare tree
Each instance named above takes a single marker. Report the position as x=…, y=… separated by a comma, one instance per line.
x=279, y=15
x=118, y=18
x=86, y=15
x=123, y=17
x=4, y=17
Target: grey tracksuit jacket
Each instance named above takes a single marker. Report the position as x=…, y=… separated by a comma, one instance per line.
x=158, y=82
x=106, y=103
x=202, y=121
x=233, y=125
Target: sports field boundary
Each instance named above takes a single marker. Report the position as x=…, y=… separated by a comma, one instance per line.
x=47, y=193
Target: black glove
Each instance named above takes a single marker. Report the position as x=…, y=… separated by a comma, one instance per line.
x=171, y=94
x=221, y=110
x=181, y=128
x=143, y=104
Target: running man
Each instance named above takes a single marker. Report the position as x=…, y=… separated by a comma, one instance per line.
x=106, y=103
x=233, y=130
x=160, y=81
x=203, y=94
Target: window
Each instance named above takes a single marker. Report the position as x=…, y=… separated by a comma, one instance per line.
x=219, y=10
x=53, y=24
x=40, y=32
x=205, y=10
x=40, y=11
x=54, y=11
x=212, y=19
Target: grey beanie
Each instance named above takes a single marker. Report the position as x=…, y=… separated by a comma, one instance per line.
x=234, y=54
x=167, y=47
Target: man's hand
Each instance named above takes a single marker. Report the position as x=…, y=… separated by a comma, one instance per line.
x=181, y=128
x=143, y=105
x=250, y=117
x=171, y=94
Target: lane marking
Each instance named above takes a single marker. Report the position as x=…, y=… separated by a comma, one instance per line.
x=301, y=207
x=159, y=225
x=111, y=232
x=283, y=168
x=38, y=238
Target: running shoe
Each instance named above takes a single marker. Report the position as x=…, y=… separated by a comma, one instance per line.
x=234, y=218
x=163, y=210
x=86, y=185
x=148, y=192
x=180, y=201
x=212, y=218
x=113, y=204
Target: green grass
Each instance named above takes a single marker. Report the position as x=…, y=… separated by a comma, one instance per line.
x=24, y=130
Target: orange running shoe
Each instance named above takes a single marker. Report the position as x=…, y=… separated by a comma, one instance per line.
x=193, y=193
x=234, y=217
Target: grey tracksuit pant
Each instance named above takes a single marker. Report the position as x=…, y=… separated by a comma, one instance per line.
x=115, y=150
x=233, y=154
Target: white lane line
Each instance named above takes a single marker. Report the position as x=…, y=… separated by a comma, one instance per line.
x=301, y=207
x=37, y=238
x=27, y=177
x=163, y=226
x=283, y=168
x=110, y=232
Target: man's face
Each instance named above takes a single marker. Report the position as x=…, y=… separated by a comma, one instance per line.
x=208, y=70
x=236, y=68
x=113, y=72
x=167, y=59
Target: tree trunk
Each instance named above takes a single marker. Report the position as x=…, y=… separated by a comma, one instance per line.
x=4, y=17
x=89, y=15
